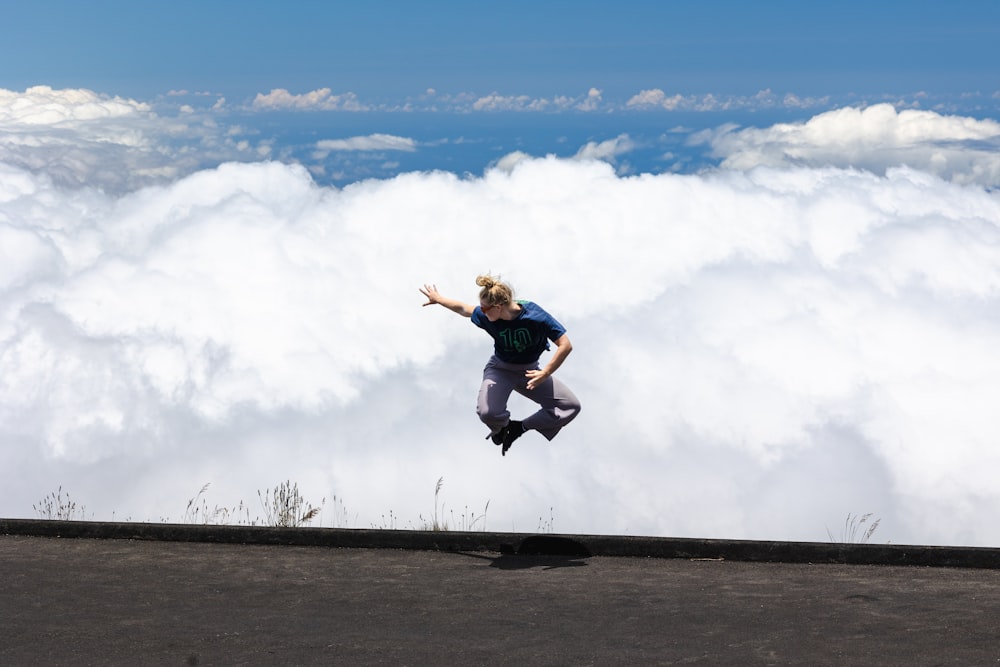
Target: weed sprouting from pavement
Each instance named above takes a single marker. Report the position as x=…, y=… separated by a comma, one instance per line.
x=435, y=524
x=390, y=523
x=467, y=521
x=854, y=531
x=285, y=507
x=340, y=518
x=546, y=526
x=54, y=506
x=197, y=512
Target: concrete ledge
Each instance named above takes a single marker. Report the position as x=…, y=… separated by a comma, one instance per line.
x=520, y=543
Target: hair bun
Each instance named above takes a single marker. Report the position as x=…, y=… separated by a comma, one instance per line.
x=495, y=292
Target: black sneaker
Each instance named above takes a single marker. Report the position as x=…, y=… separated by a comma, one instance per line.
x=511, y=432
x=497, y=437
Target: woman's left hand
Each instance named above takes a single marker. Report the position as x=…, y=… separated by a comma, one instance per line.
x=536, y=377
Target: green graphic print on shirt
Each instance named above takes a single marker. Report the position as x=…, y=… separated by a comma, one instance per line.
x=523, y=339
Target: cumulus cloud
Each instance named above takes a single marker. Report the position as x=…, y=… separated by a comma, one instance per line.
x=608, y=150
x=605, y=151
x=67, y=133
x=42, y=105
x=591, y=102
x=656, y=98
x=321, y=99
x=961, y=149
x=758, y=352
x=372, y=142
x=81, y=138
x=507, y=163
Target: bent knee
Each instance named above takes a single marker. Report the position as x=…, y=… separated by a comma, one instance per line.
x=488, y=416
x=568, y=410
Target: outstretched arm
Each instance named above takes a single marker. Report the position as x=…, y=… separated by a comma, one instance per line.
x=563, y=348
x=433, y=296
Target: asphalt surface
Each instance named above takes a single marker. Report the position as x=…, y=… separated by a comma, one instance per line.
x=538, y=600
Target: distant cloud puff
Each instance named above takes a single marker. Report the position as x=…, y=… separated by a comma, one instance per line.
x=322, y=99
x=498, y=102
x=509, y=162
x=792, y=101
x=960, y=149
x=372, y=142
x=605, y=150
x=42, y=105
x=656, y=98
x=592, y=101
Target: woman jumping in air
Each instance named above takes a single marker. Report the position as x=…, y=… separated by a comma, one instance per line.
x=521, y=331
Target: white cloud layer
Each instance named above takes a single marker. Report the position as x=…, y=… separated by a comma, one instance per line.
x=961, y=149
x=758, y=352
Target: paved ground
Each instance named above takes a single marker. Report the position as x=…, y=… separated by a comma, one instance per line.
x=85, y=601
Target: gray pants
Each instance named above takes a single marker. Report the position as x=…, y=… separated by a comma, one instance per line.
x=558, y=404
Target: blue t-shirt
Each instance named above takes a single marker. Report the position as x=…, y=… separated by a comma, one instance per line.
x=522, y=339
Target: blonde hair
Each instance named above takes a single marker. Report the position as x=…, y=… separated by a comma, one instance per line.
x=495, y=292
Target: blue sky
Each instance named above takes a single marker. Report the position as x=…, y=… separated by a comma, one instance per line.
x=391, y=50
x=656, y=72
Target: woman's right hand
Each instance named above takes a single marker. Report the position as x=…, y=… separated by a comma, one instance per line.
x=433, y=296
x=431, y=292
